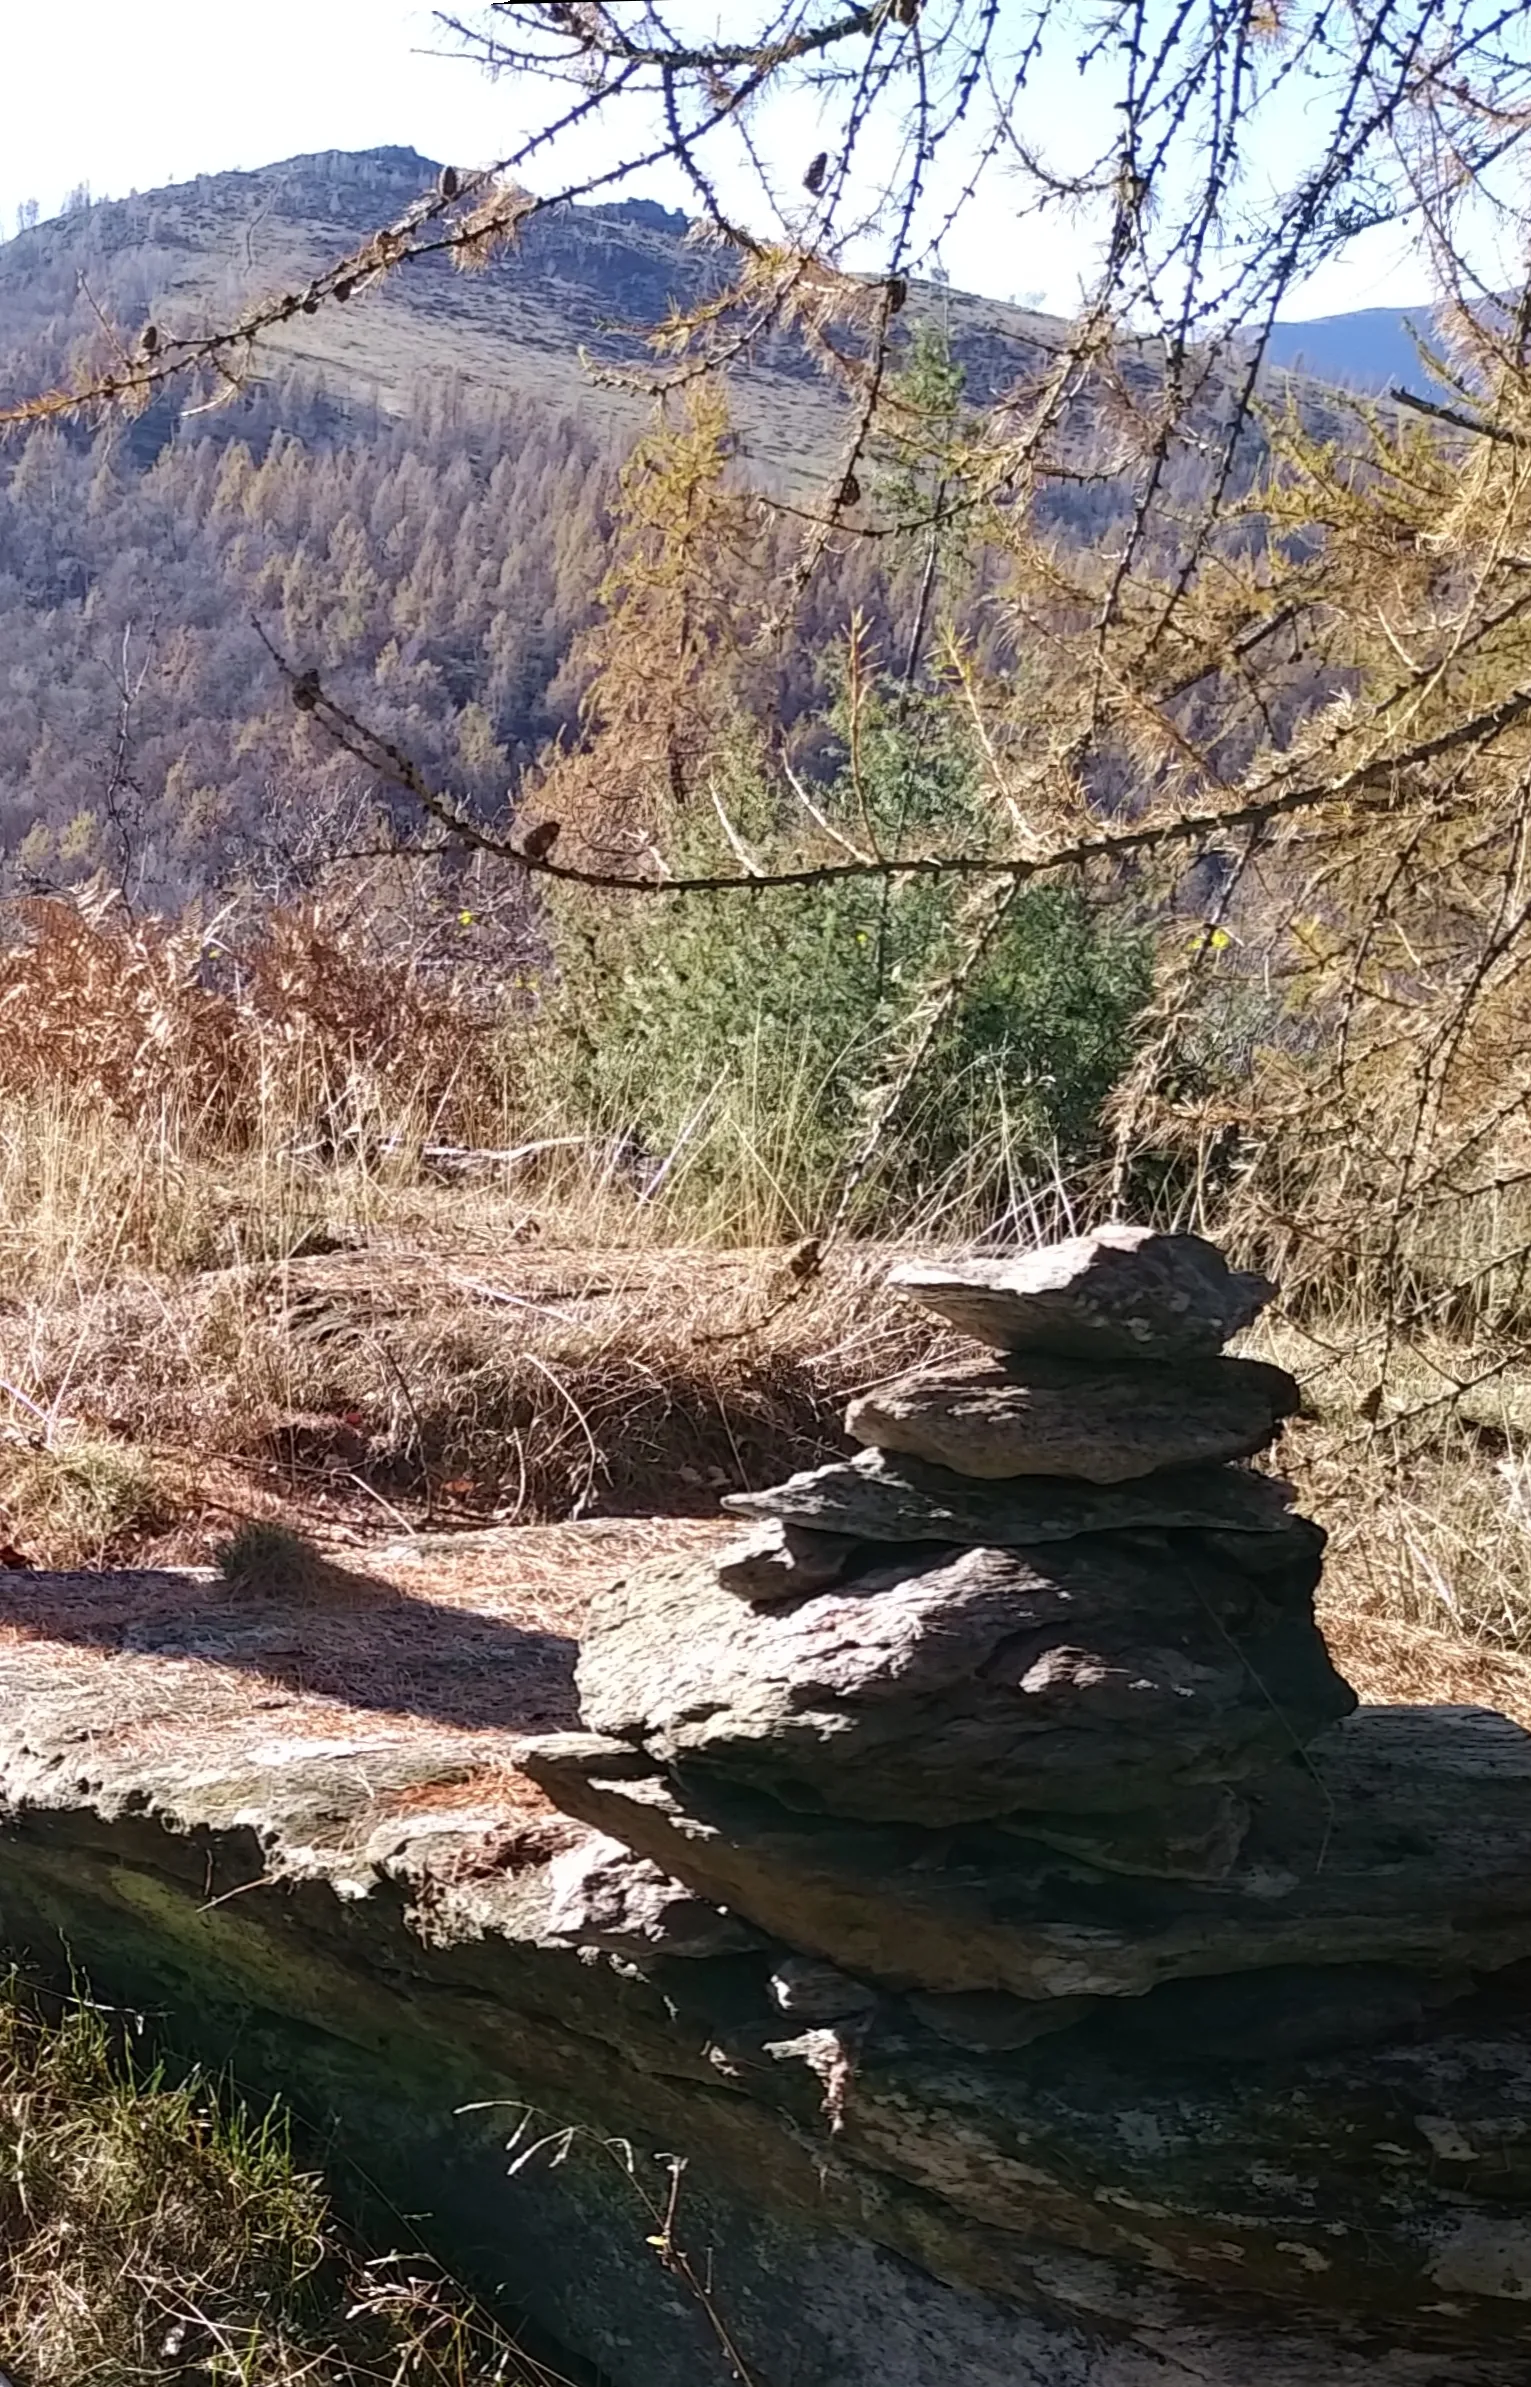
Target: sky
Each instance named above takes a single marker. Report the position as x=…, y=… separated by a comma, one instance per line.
x=130, y=99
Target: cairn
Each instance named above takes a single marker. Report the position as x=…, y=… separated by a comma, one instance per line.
x=1010, y=1714
x=1047, y=1595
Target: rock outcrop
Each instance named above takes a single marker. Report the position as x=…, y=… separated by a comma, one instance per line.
x=1380, y=1854
x=979, y=1885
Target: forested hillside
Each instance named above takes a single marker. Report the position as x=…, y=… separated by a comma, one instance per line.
x=410, y=494
x=437, y=566
x=416, y=504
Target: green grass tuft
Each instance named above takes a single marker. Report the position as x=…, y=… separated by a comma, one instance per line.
x=153, y=2229
x=266, y=1557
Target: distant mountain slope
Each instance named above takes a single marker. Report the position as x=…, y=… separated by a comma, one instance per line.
x=540, y=323
x=534, y=323
x=1371, y=350
x=413, y=495
x=531, y=325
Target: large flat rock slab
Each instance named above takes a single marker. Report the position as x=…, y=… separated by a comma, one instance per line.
x=374, y=1904
x=469, y=1635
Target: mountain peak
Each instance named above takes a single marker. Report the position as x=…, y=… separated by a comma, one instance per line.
x=582, y=284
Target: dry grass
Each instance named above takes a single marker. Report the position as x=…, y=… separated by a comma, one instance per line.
x=85, y=1500
x=443, y=1378
x=224, y=1245
x=1409, y=1665
x=151, y=2230
x=234, y=1285
x=1419, y=1484
x=210, y=1043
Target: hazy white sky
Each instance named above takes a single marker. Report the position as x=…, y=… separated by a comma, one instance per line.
x=130, y=98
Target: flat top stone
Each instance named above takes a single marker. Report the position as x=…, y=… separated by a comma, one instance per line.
x=1120, y=1293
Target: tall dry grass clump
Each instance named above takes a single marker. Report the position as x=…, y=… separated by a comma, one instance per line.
x=218, y=1041
x=172, y=1092
x=181, y=1100
x=275, y=1225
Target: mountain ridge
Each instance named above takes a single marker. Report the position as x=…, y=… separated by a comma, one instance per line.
x=574, y=295
x=1369, y=350
x=567, y=306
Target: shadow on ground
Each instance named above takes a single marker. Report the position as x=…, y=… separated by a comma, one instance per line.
x=353, y=1637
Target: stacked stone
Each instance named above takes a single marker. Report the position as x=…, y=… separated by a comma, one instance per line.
x=1047, y=1595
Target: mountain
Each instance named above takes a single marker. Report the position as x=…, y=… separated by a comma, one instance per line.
x=543, y=322
x=532, y=324
x=1374, y=349
x=411, y=493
